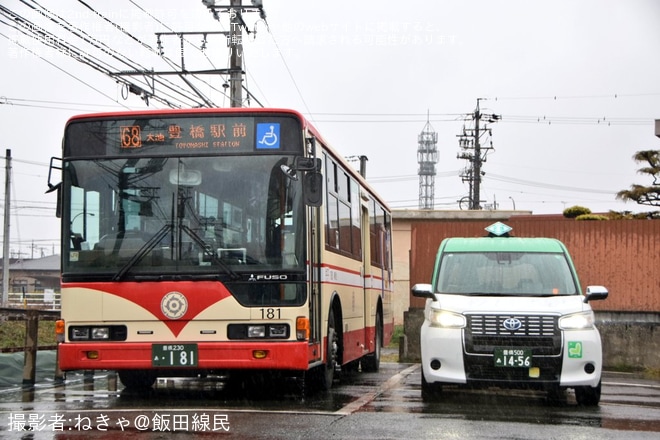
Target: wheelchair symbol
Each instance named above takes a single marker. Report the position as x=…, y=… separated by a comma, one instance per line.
x=270, y=138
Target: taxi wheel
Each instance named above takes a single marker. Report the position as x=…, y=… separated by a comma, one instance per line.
x=430, y=391
x=588, y=396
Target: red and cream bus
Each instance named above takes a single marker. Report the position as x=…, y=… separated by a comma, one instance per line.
x=208, y=241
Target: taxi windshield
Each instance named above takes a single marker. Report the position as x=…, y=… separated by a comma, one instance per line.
x=505, y=273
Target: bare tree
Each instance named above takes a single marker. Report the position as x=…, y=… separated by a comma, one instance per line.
x=645, y=195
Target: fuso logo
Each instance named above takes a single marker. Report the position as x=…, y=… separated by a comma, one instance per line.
x=268, y=277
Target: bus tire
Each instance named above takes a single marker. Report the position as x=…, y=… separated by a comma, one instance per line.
x=331, y=354
x=137, y=379
x=371, y=361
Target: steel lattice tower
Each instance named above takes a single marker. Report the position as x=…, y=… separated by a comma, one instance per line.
x=427, y=157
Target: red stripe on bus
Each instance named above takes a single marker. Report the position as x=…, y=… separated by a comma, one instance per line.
x=199, y=296
x=340, y=269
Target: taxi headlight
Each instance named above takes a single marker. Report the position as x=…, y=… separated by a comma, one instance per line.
x=446, y=319
x=577, y=321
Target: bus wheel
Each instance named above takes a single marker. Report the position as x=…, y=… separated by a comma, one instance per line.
x=371, y=362
x=137, y=379
x=332, y=349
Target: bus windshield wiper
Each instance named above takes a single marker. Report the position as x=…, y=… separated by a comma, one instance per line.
x=205, y=249
x=144, y=250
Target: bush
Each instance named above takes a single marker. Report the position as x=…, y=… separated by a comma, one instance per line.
x=398, y=332
x=628, y=215
x=591, y=217
x=651, y=215
x=12, y=334
x=575, y=211
x=620, y=215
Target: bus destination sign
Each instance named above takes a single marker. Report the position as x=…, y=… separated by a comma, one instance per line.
x=183, y=135
x=194, y=135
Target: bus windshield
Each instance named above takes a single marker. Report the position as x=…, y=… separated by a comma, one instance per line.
x=158, y=217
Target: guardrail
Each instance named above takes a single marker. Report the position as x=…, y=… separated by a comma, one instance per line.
x=48, y=300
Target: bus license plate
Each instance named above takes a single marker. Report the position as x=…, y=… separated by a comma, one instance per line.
x=174, y=355
x=513, y=357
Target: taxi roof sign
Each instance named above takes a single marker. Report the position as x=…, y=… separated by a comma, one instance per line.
x=499, y=229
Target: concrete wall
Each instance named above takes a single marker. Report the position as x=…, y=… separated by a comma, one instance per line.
x=401, y=272
x=630, y=339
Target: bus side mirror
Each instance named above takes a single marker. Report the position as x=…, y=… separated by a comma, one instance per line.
x=313, y=189
x=57, y=188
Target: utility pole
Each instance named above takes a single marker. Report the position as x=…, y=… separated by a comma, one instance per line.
x=5, y=245
x=363, y=163
x=236, y=55
x=235, y=42
x=476, y=164
x=473, y=150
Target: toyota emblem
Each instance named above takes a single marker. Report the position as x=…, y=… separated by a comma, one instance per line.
x=512, y=324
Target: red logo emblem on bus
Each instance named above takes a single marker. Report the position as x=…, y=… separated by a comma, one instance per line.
x=174, y=305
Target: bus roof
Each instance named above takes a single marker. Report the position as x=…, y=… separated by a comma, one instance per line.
x=151, y=112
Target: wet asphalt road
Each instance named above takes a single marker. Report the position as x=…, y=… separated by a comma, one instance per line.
x=383, y=405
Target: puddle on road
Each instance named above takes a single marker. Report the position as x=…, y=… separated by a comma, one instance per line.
x=511, y=406
x=219, y=391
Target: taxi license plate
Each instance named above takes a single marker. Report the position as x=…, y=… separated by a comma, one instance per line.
x=513, y=357
x=174, y=355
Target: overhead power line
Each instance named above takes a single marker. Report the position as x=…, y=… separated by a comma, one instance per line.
x=56, y=66
x=293, y=80
x=407, y=118
x=169, y=93
x=133, y=76
x=553, y=186
x=569, y=97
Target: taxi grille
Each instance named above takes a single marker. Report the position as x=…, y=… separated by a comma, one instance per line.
x=538, y=332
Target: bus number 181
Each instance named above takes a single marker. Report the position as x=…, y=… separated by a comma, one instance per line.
x=270, y=313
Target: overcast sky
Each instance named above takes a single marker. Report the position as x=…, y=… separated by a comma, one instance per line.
x=576, y=84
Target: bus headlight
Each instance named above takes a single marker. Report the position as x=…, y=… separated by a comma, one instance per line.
x=446, y=319
x=256, y=331
x=278, y=331
x=79, y=333
x=577, y=321
x=100, y=333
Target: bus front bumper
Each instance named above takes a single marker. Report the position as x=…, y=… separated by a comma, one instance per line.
x=289, y=355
